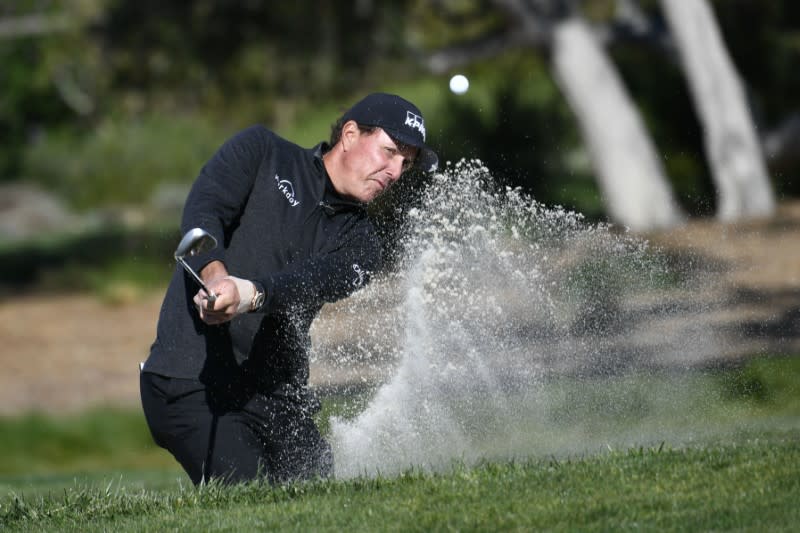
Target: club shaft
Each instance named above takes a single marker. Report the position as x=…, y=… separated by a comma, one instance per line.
x=190, y=270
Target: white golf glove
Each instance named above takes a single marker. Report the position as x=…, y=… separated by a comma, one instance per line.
x=246, y=293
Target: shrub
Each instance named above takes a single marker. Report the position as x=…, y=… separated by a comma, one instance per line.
x=122, y=161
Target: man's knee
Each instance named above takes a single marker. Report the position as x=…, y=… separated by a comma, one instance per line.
x=235, y=453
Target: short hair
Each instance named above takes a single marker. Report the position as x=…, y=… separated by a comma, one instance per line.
x=336, y=130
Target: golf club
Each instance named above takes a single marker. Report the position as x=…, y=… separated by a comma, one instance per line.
x=196, y=241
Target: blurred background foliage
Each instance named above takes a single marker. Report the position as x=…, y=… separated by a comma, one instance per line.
x=114, y=105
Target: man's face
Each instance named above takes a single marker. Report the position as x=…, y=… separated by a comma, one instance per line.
x=374, y=161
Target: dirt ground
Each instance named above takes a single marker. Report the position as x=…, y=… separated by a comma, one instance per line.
x=69, y=352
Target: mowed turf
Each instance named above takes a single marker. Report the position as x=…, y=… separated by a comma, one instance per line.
x=750, y=484
x=744, y=479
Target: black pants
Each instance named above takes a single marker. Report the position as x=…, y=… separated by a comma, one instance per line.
x=234, y=434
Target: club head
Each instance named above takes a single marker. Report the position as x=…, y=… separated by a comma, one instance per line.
x=196, y=241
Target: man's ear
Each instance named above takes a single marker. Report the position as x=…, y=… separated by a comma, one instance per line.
x=350, y=133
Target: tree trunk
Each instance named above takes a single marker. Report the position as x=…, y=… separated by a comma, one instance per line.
x=732, y=147
x=629, y=172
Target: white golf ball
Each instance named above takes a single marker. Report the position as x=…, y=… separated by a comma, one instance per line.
x=459, y=84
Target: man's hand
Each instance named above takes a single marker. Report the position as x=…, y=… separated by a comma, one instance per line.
x=226, y=305
x=233, y=295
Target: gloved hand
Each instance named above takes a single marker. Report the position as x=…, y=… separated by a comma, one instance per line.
x=233, y=297
x=246, y=291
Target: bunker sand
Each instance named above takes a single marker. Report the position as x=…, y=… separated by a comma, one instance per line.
x=65, y=353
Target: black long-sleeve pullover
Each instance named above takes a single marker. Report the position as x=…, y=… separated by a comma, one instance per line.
x=279, y=222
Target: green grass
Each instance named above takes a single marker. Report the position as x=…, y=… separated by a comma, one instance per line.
x=753, y=484
x=37, y=444
x=100, y=471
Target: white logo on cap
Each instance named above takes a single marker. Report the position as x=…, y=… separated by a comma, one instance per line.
x=416, y=122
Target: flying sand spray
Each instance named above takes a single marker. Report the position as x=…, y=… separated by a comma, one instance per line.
x=513, y=336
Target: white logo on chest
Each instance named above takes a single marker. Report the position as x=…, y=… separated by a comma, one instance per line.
x=287, y=189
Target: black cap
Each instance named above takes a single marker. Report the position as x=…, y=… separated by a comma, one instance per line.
x=400, y=119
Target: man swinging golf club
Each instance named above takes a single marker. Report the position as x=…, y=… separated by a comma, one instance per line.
x=225, y=388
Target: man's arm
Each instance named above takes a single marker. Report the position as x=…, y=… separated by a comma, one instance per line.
x=233, y=295
x=324, y=278
x=220, y=192
x=213, y=271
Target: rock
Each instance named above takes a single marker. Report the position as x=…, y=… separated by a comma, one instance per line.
x=27, y=210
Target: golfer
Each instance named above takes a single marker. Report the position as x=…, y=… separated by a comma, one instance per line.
x=225, y=387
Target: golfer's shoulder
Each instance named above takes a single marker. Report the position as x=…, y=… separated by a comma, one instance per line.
x=257, y=135
x=261, y=133
x=259, y=141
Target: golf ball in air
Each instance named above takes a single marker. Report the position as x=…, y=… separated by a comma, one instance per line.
x=459, y=84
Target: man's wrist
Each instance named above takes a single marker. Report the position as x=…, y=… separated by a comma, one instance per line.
x=258, y=296
x=213, y=270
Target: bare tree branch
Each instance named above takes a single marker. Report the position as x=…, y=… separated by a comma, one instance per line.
x=71, y=93
x=32, y=25
x=632, y=25
x=527, y=28
x=519, y=11
x=451, y=57
x=532, y=23
x=628, y=11
x=445, y=11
